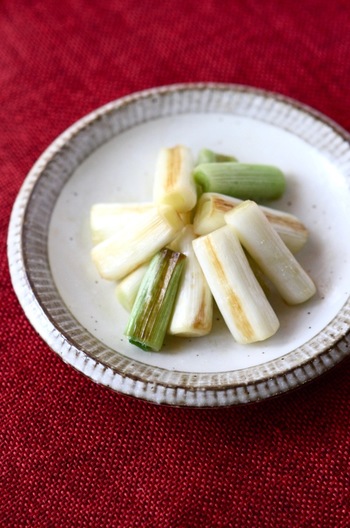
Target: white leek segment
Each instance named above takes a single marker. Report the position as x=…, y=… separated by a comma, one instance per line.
x=106, y=219
x=240, y=298
x=173, y=181
x=120, y=254
x=126, y=290
x=210, y=215
x=271, y=254
x=193, y=311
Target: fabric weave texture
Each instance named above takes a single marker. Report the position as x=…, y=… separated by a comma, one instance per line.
x=74, y=454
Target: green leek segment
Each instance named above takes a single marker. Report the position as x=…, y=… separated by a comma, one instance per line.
x=151, y=312
x=241, y=180
x=209, y=156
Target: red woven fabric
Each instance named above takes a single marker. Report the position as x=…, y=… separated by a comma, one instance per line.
x=76, y=454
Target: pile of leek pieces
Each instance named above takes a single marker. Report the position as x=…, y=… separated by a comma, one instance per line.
x=203, y=238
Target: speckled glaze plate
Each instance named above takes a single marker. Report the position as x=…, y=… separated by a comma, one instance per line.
x=109, y=156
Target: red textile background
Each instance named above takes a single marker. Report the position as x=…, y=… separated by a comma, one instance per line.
x=76, y=454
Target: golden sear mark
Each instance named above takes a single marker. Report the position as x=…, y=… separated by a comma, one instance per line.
x=173, y=167
x=287, y=222
x=293, y=223
x=222, y=205
x=233, y=301
x=201, y=321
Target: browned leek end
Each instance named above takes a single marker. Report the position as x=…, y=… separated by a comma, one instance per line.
x=173, y=181
x=212, y=207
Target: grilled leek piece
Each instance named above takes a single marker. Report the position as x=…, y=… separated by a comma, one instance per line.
x=271, y=254
x=241, y=180
x=173, y=182
x=210, y=215
x=238, y=295
x=209, y=156
x=120, y=254
x=193, y=310
x=155, y=299
x=106, y=219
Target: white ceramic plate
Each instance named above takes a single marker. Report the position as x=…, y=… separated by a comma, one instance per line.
x=109, y=156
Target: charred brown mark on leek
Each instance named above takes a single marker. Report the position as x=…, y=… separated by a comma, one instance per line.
x=212, y=207
x=173, y=180
x=200, y=322
x=173, y=167
x=221, y=204
x=241, y=180
x=216, y=203
x=233, y=301
x=154, y=302
x=287, y=222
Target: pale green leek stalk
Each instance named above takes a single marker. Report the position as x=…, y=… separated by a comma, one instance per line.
x=209, y=156
x=126, y=290
x=155, y=299
x=241, y=180
x=193, y=310
x=271, y=254
x=238, y=295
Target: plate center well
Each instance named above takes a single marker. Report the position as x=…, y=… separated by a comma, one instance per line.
x=122, y=170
